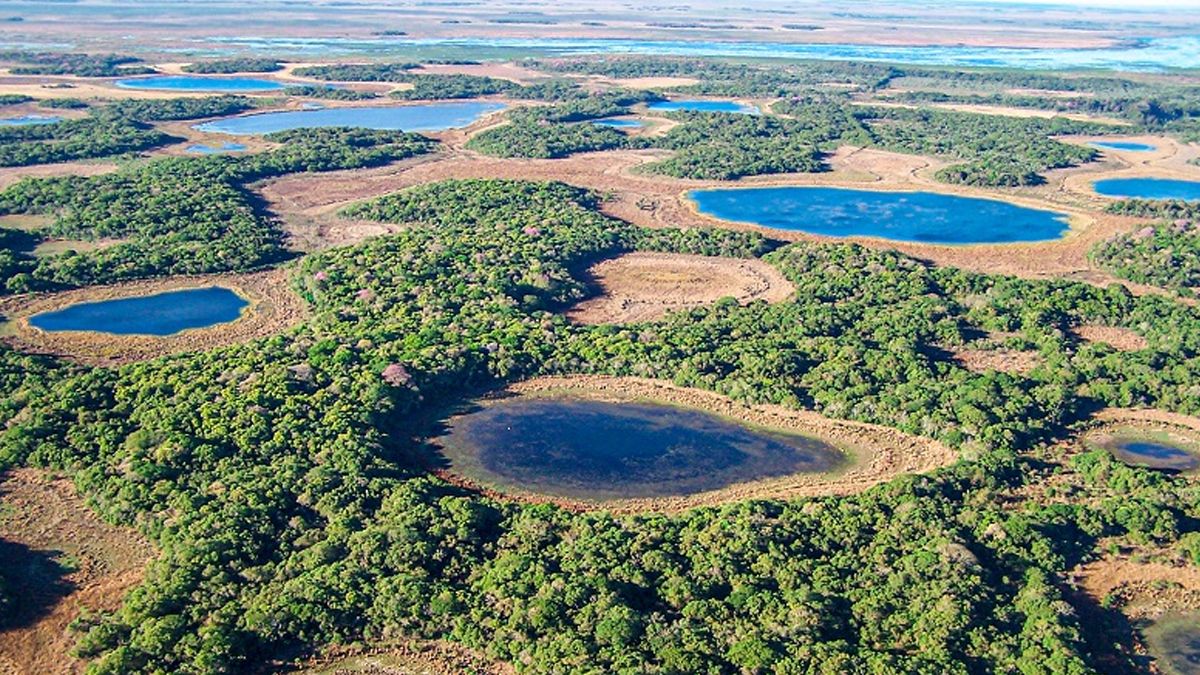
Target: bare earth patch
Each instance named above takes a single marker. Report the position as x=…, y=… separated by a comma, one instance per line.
x=418, y=657
x=646, y=286
x=878, y=453
x=1121, y=339
x=1001, y=360
x=47, y=520
x=10, y=175
x=273, y=308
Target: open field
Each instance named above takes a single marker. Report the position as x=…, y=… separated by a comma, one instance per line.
x=646, y=286
x=63, y=559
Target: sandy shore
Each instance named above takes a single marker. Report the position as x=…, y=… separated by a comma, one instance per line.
x=877, y=453
x=273, y=308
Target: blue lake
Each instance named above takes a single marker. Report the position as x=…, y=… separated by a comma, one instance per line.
x=925, y=217
x=199, y=83
x=26, y=120
x=1148, y=188
x=703, y=105
x=424, y=117
x=201, y=149
x=159, y=314
x=1129, y=146
x=597, y=449
x=1148, y=54
x=618, y=123
x=1155, y=455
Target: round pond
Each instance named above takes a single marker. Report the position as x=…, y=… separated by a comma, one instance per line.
x=925, y=217
x=423, y=117
x=589, y=449
x=1128, y=146
x=159, y=314
x=1148, y=188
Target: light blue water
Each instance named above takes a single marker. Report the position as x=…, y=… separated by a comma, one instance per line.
x=1122, y=145
x=198, y=83
x=619, y=123
x=1150, y=54
x=901, y=216
x=702, y=105
x=424, y=117
x=201, y=149
x=159, y=314
x=26, y=120
x=1148, y=188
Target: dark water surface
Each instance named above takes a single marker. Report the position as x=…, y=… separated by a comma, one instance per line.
x=159, y=314
x=1155, y=455
x=596, y=449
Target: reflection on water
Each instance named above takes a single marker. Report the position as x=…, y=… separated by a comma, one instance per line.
x=595, y=449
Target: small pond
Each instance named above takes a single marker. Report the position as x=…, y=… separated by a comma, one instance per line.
x=1128, y=146
x=703, y=105
x=26, y=120
x=619, y=123
x=159, y=314
x=589, y=449
x=1174, y=641
x=423, y=117
x=199, y=83
x=201, y=149
x=926, y=217
x=1148, y=188
x=1154, y=454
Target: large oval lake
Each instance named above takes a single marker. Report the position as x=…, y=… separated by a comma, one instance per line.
x=1148, y=188
x=424, y=117
x=590, y=449
x=926, y=217
x=198, y=83
x=158, y=314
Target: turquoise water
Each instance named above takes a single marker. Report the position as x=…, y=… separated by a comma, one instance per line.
x=925, y=217
x=198, y=83
x=1122, y=145
x=702, y=105
x=1148, y=188
x=159, y=314
x=619, y=123
x=1149, y=54
x=595, y=450
x=26, y=120
x=424, y=117
x=201, y=149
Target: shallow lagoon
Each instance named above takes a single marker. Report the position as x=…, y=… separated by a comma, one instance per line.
x=591, y=449
x=201, y=149
x=1128, y=146
x=198, y=83
x=1174, y=642
x=424, y=117
x=1148, y=188
x=618, y=123
x=925, y=217
x=158, y=314
x=27, y=120
x=703, y=105
x=1154, y=454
